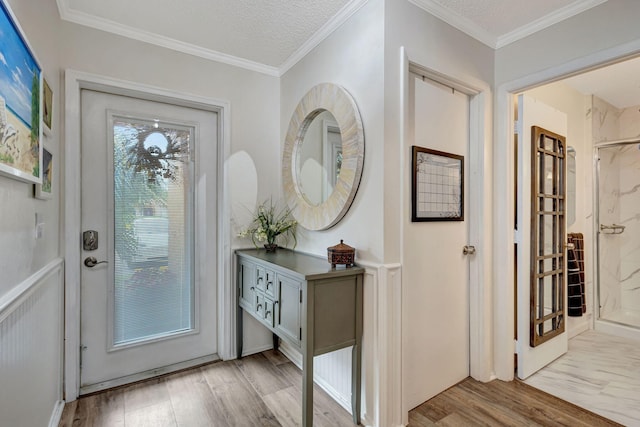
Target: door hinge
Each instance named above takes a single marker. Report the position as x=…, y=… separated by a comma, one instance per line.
x=300, y=334
x=300, y=296
x=516, y=127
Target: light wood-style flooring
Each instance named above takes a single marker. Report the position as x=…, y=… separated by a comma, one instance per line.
x=498, y=403
x=265, y=390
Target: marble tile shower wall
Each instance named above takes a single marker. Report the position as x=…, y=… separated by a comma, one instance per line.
x=619, y=203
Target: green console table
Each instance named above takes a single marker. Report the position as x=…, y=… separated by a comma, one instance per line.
x=303, y=301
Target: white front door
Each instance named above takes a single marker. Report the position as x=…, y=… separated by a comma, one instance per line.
x=435, y=275
x=540, y=236
x=149, y=212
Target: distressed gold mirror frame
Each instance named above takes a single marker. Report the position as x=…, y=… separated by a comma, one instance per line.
x=332, y=98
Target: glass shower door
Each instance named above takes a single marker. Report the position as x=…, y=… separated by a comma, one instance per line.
x=618, y=231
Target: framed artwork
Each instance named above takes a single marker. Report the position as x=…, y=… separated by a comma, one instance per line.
x=44, y=190
x=20, y=112
x=47, y=107
x=437, y=190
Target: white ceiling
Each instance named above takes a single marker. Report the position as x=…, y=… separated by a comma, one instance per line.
x=270, y=36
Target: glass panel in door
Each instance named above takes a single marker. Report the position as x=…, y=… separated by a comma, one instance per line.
x=153, y=222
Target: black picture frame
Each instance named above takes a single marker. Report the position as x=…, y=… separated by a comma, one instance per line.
x=437, y=185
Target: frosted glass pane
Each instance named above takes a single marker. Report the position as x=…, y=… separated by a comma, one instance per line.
x=153, y=286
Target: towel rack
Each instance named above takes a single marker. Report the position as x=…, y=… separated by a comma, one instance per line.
x=612, y=229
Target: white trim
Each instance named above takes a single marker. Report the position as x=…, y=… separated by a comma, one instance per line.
x=463, y=24
x=56, y=414
x=255, y=350
x=319, y=36
x=472, y=29
x=388, y=348
x=74, y=82
x=546, y=21
x=109, y=26
x=149, y=374
x=504, y=180
x=16, y=296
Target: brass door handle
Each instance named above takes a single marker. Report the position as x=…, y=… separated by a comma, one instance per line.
x=468, y=250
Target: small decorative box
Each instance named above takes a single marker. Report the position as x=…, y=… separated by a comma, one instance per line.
x=341, y=254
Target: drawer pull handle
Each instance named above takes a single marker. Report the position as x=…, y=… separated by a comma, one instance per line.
x=267, y=313
x=253, y=288
x=258, y=307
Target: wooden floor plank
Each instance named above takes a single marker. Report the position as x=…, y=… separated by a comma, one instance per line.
x=499, y=403
x=232, y=393
x=146, y=393
x=261, y=374
x=101, y=409
x=156, y=415
x=192, y=400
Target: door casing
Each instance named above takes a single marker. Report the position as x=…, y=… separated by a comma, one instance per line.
x=480, y=227
x=74, y=82
x=504, y=181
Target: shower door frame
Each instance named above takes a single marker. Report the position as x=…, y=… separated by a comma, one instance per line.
x=596, y=224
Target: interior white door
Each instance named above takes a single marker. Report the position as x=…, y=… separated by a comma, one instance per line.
x=532, y=113
x=435, y=275
x=149, y=191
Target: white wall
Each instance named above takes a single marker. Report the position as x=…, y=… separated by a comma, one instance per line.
x=352, y=58
x=20, y=253
x=31, y=316
x=609, y=25
x=437, y=46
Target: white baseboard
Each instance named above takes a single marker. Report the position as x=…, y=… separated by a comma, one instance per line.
x=254, y=350
x=56, y=415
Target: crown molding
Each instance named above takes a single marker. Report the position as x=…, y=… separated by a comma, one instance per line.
x=472, y=29
x=88, y=20
x=463, y=24
x=548, y=20
x=325, y=31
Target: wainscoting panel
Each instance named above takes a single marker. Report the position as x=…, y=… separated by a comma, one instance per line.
x=381, y=358
x=31, y=349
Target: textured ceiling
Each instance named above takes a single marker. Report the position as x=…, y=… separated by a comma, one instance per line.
x=499, y=17
x=271, y=35
x=262, y=31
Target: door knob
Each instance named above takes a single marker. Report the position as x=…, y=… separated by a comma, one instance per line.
x=468, y=250
x=91, y=261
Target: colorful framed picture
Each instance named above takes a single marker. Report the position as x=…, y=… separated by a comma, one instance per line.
x=45, y=190
x=437, y=190
x=47, y=107
x=20, y=112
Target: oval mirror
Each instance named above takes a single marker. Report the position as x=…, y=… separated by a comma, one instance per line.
x=323, y=157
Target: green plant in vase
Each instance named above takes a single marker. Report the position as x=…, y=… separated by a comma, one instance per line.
x=270, y=225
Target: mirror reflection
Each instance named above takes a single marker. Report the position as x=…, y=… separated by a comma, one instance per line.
x=320, y=158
